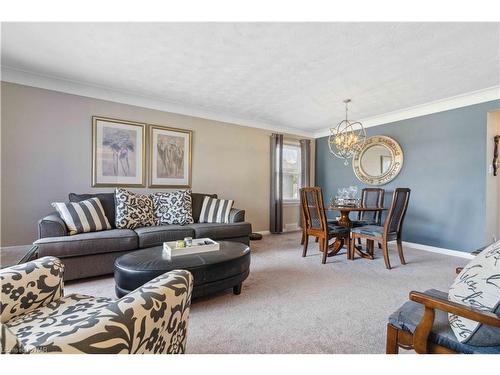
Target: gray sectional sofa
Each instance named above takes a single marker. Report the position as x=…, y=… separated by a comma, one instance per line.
x=94, y=254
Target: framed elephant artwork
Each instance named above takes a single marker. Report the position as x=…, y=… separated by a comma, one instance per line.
x=170, y=157
x=118, y=153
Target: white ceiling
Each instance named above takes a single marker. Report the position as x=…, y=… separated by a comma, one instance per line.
x=287, y=75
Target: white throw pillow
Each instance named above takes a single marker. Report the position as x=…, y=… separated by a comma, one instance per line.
x=478, y=286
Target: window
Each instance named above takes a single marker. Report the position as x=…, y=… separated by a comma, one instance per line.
x=291, y=172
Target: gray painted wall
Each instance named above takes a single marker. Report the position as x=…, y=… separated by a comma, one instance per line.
x=46, y=153
x=446, y=168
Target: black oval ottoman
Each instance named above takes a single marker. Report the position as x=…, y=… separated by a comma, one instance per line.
x=212, y=272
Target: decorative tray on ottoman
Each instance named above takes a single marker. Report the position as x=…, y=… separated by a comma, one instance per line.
x=200, y=245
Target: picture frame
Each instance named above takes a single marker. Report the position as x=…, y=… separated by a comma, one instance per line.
x=118, y=153
x=170, y=157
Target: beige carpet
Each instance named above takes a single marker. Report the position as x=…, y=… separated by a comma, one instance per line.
x=291, y=304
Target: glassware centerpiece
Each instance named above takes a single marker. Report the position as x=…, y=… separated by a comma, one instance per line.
x=347, y=197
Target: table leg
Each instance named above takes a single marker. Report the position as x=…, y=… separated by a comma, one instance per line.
x=344, y=219
x=335, y=246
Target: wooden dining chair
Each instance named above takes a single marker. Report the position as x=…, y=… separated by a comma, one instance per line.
x=316, y=223
x=303, y=218
x=371, y=197
x=390, y=231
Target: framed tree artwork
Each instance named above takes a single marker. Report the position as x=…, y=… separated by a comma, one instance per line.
x=170, y=157
x=118, y=153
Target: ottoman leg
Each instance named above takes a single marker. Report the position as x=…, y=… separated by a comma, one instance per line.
x=237, y=289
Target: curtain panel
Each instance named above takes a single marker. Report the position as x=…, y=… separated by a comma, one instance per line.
x=305, y=170
x=276, y=206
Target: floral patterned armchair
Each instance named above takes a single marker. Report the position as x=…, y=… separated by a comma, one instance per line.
x=37, y=318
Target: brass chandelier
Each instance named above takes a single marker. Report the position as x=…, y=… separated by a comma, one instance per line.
x=347, y=138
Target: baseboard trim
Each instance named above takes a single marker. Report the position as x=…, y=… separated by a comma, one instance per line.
x=266, y=232
x=439, y=250
x=413, y=245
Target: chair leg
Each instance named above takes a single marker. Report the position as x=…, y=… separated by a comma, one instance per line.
x=350, y=250
x=324, y=244
x=303, y=237
x=348, y=245
x=400, y=252
x=317, y=239
x=359, y=240
x=369, y=246
x=306, y=242
x=391, y=346
x=385, y=250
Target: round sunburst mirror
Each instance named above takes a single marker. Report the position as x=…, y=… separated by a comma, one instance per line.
x=379, y=161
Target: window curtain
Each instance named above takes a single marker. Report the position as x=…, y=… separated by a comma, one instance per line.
x=305, y=169
x=276, y=208
x=305, y=162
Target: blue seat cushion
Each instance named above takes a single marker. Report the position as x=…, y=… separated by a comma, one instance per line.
x=337, y=230
x=408, y=316
x=369, y=230
x=360, y=223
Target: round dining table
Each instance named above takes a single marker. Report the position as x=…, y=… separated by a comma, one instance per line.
x=346, y=222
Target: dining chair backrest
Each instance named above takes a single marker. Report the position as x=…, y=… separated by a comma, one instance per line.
x=395, y=217
x=313, y=208
x=371, y=197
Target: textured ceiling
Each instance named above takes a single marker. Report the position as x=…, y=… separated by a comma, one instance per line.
x=291, y=75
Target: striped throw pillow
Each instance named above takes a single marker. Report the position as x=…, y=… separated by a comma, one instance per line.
x=215, y=210
x=85, y=216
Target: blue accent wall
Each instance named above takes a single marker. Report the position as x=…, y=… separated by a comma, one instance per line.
x=445, y=167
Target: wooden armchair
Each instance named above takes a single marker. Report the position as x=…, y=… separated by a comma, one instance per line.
x=422, y=324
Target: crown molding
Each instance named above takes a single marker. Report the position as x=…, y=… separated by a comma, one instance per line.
x=21, y=77
x=463, y=100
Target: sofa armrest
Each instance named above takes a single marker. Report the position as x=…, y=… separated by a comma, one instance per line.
x=28, y=286
x=236, y=215
x=150, y=319
x=431, y=303
x=52, y=226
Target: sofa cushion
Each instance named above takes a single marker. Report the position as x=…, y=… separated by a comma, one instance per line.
x=88, y=243
x=217, y=231
x=478, y=286
x=408, y=316
x=197, y=203
x=133, y=210
x=156, y=235
x=173, y=207
x=107, y=201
